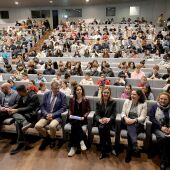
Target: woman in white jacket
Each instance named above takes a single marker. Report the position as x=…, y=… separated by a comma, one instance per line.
x=87, y=80
x=134, y=114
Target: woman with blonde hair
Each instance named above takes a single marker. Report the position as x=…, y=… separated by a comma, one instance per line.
x=105, y=120
x=160, y=117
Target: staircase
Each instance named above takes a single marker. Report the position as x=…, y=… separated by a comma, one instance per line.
x=39, y=44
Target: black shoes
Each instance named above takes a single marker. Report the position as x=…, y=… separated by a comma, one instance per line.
x=103, y=155
x=17, y=149
x=44, y=144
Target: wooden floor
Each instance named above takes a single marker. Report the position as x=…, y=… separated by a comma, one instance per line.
x=58, y=160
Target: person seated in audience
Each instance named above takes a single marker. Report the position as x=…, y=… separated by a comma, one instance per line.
x=154, y=75
x=8, y=98
x=25, y=115
x=107, y=71
x=65, y=88
x=159, y=116
x=87, y=53
x=31, y=86
x=143, y=82
x=121, y=81
x=67, y=78
x=44, y=47
x=31, y=69
x=165, y=63
x=133, y=115
x=131, y=66
x=142, y=63
x=15, y=76
x=19, y=70
x=102, y=80
x=77, y=69
x=58, y=53
x=88, y=67
x=104, y=117
x=53, y=105
x=133, y=54
x=106, y=54
x=168, y=90
x=8, y=68
x=98, y=92
x=94, y=70
x=57, y=78
x=127, y=92
x=49, y=70
x=68, y=67
x=125, y=72
x=118, y=54
x=166, y=76
x=148, y=92
x=87, y=80
x=62, y=70
x=137, y=73
x=12, y=83
x=25, y=77
x=42, y=88
x=41, y=54
x=76, y=54
x=79, y=108
x=97, y=46
x=40, y=78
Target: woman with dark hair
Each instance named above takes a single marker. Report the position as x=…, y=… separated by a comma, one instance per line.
x=77, y=69
x=131, y=66
x=87, y=53
x=148, y=92
x=68, y=66
x=79, y=108
x=58, y=53
x=133, y=115
x=160, y=117
x=105, y=120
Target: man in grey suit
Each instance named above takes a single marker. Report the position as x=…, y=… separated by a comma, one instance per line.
x=54, y=104
x=8, y=99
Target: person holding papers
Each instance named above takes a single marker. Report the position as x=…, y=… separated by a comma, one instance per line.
x=79, y=108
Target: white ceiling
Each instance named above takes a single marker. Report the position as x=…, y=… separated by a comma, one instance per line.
x=60, y=3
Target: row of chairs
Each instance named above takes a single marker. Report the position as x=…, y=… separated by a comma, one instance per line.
x=91, y=130
x=133, y=82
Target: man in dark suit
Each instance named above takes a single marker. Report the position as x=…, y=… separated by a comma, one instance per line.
x=54, y=104
x=8, y=98
x=24, y=113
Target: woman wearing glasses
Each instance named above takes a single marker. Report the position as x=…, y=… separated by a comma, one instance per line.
x=105, y=118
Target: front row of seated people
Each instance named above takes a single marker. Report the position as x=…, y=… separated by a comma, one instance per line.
x=23, y=105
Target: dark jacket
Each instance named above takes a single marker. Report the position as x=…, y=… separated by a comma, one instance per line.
x=109, y=111
x=85, y=107
x=31, y=104
x=49, y=71
x=59, y=107
x=94, y=73
x=108, y=73
x=155, y=123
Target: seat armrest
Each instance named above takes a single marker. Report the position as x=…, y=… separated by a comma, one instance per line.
x=148, y=133
x=64, y=116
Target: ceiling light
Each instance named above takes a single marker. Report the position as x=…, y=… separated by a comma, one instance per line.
x=87, y=0
x=16, y=3
x=50, y=2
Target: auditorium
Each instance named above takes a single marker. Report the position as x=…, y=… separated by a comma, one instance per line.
x=84, y=84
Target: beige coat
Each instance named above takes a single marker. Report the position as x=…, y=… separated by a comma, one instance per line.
x=141, y=110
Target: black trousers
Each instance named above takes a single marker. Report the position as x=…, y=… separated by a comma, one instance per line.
x=105, y=139
x=164, y=146
x=3, y=116
x=77, y=133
